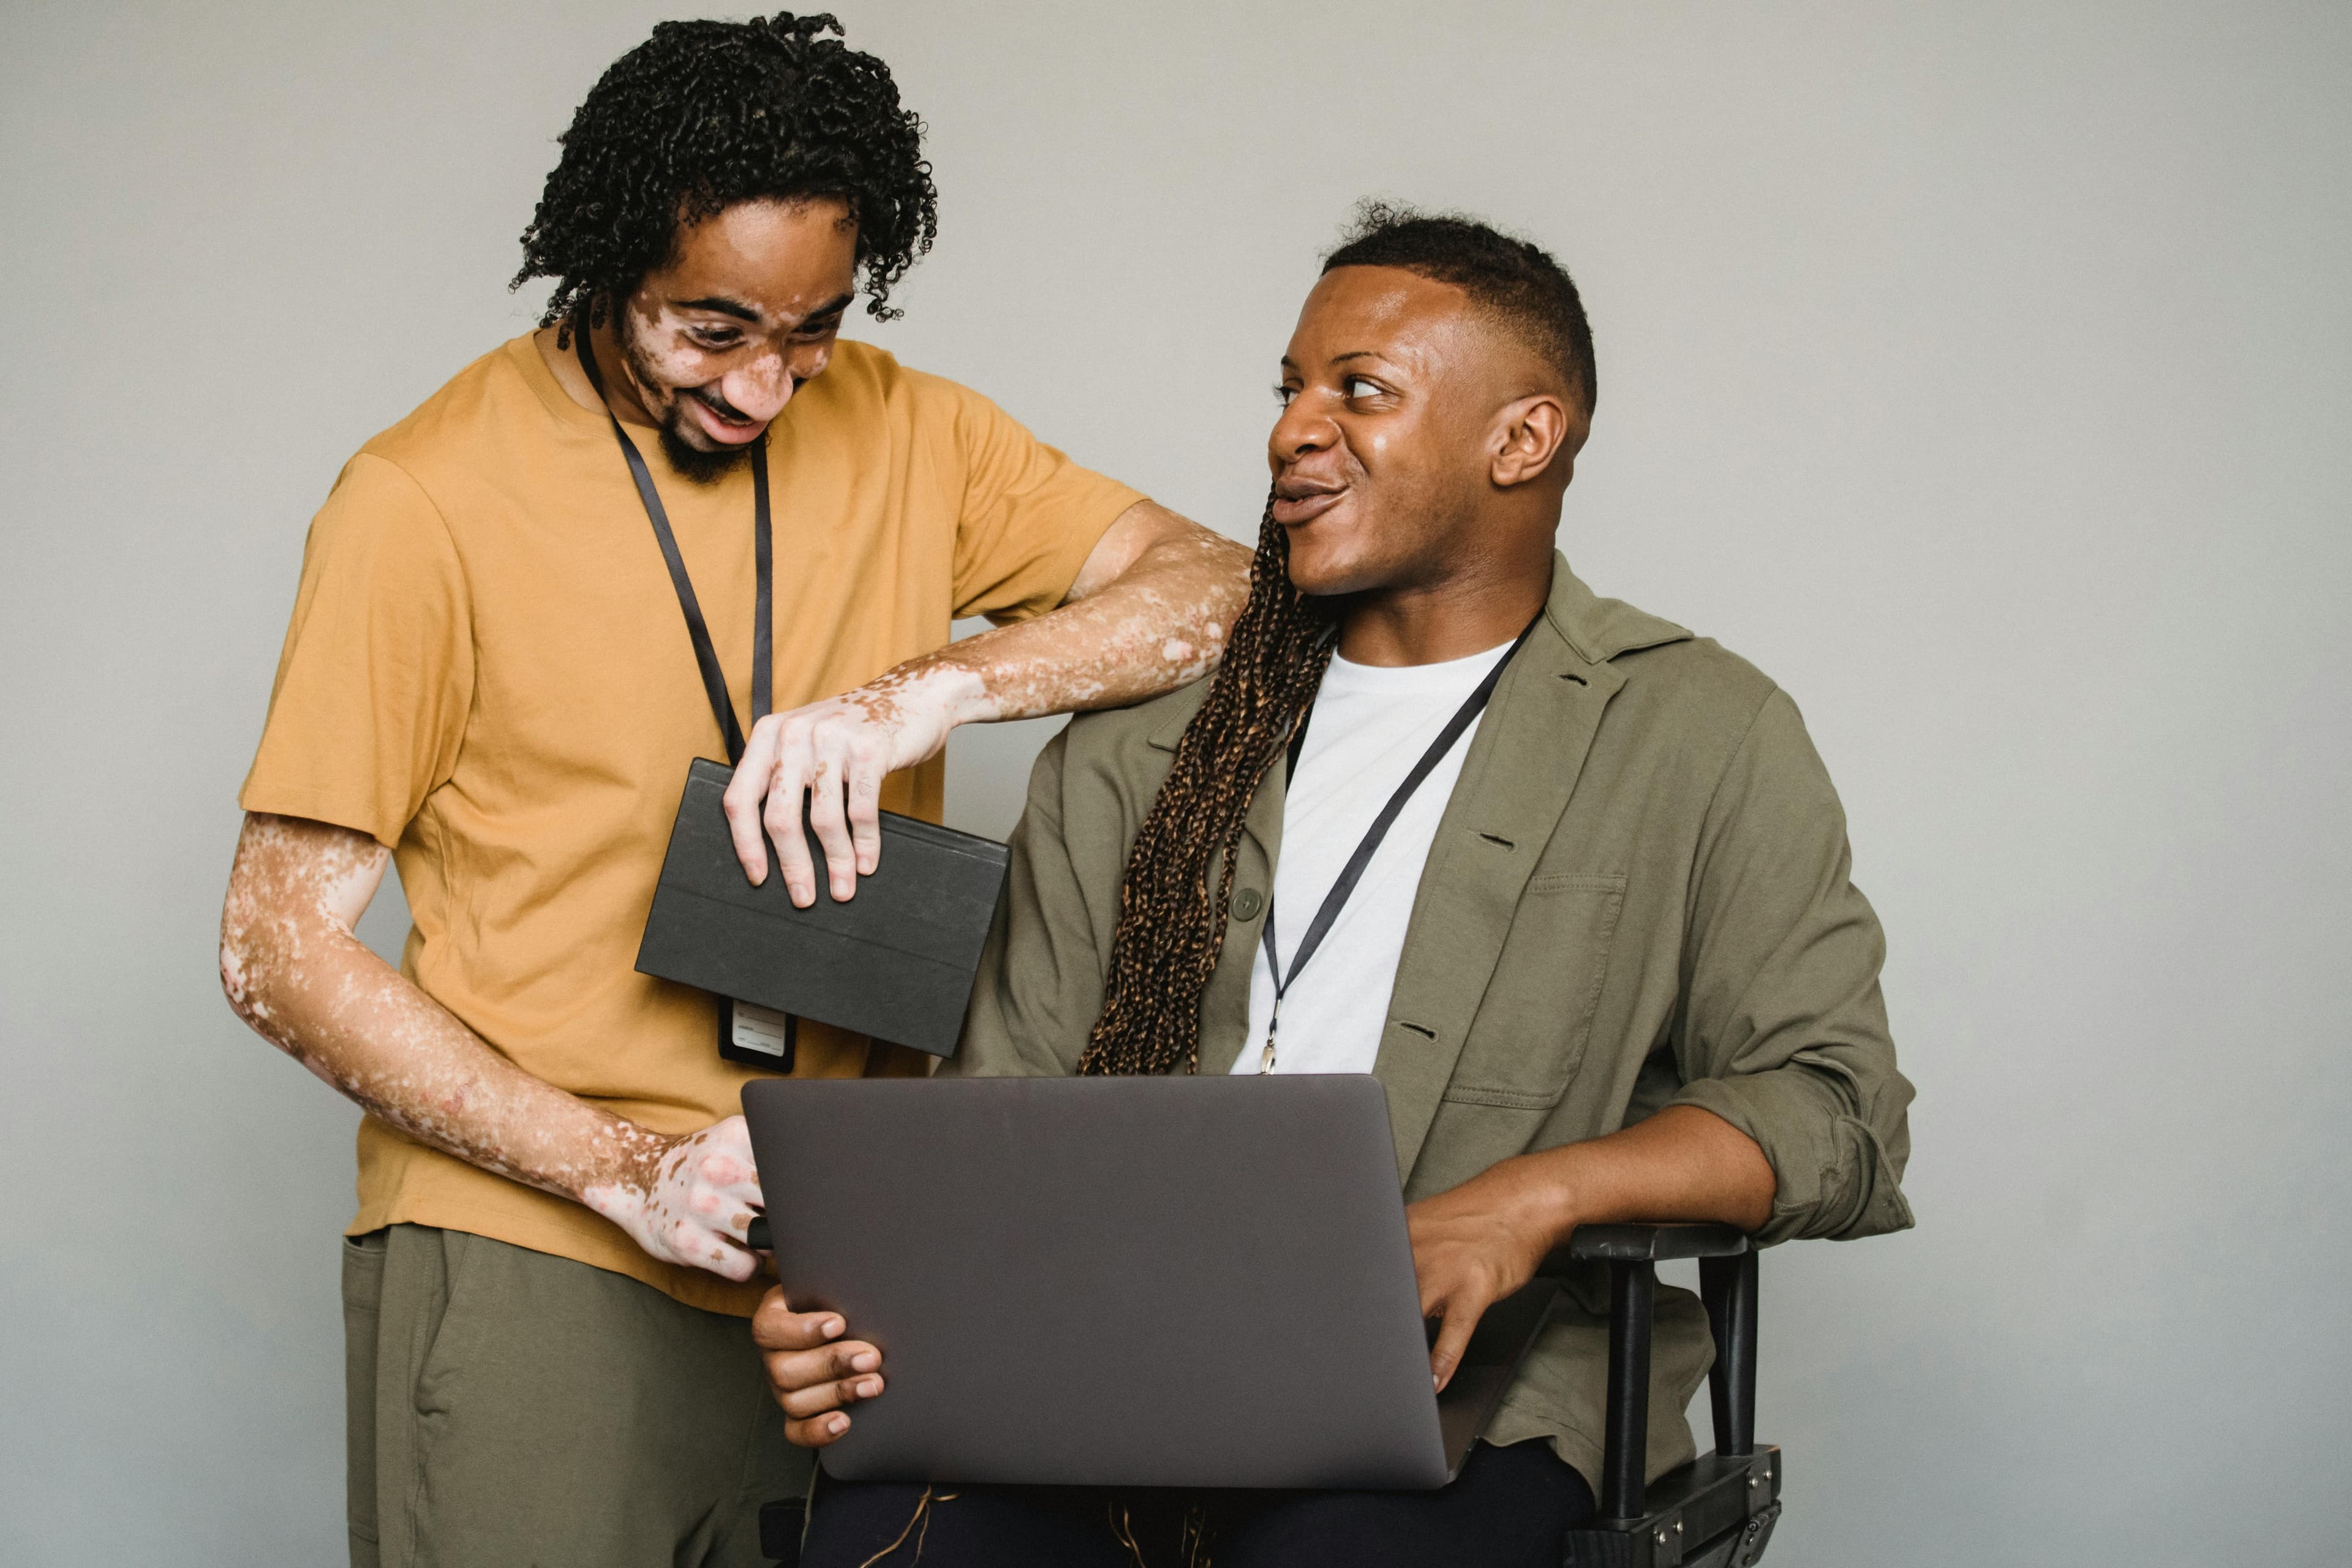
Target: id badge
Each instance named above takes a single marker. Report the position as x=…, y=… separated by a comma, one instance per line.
x=756, y=1037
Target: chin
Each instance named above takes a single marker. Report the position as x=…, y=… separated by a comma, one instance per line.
x=1332, y=580
x=703, y=465
x=1325, y=565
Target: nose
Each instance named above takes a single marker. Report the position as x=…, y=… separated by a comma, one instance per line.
x=761, y=387
x=1298, y=431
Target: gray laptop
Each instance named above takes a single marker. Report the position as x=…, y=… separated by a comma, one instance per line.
x=1178, y=1281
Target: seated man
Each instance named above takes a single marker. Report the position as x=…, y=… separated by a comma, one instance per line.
x=1605, y=957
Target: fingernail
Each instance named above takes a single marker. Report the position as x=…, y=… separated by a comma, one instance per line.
x=837, y=1425
x=870, y=1388
x=833, y=1326
x=864, y=1361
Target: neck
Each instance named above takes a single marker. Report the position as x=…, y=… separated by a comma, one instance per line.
x=620, y=394
x=1429, y=624
x=613, y=369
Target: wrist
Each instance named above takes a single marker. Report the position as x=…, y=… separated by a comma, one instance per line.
x=942, y=684
x=627, y=1163
x=1549, y=1201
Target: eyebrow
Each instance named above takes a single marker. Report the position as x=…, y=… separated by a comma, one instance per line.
x=734, y=308
x=743, y=312
x=1289, y=363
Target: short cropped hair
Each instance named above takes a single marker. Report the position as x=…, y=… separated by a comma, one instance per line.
x=1515, y=281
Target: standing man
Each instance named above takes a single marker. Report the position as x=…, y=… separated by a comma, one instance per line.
x=489, y=677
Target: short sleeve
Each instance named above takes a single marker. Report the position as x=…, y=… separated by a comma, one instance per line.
x=1030, y=515
x=377, y=675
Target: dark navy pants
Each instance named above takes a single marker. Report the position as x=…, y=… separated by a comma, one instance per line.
x=1509, y=1507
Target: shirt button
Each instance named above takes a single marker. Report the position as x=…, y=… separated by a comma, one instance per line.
x=1248, y=903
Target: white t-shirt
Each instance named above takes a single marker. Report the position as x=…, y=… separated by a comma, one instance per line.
x=1371, y=725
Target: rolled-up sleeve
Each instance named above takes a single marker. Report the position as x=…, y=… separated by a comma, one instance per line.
x=1782, y=1031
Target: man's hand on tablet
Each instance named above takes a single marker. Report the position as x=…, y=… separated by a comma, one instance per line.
x=814, y=1372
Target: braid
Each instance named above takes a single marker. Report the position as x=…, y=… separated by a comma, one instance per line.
x=1171, y=928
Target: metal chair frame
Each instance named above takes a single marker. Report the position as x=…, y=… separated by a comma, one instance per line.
x=1718, y=1510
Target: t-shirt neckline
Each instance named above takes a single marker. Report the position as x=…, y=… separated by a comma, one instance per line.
x=543, y=379
x=1345, y=675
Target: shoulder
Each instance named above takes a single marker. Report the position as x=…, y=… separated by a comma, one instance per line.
x=1712, y=714
x=938, y=402
x=1125, y=751
x=487, y=431
x=1702, y=684
x=861, y=374
x=1666, y=674
x=867, y=395
x=378, y=514
x=472, y=412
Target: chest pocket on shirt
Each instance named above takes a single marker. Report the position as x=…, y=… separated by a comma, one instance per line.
x=1537, y=1016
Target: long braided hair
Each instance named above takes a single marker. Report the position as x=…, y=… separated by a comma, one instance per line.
x=1171, y=926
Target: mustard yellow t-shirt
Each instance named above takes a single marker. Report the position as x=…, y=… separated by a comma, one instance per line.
x=489, y=672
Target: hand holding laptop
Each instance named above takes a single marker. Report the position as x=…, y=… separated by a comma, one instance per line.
x=816, y=1372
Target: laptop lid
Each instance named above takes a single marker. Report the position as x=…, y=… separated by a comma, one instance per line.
x=1180, y=1281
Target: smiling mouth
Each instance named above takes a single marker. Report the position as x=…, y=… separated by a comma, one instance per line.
x=728, y=427
x=1296, y=504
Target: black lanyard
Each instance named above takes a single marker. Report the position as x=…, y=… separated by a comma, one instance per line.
x=714, y=680
x=1351, y=873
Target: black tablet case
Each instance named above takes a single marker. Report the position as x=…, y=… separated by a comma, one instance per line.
x=897, y=961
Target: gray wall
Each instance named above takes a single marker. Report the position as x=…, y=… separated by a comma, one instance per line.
x=1981, y=373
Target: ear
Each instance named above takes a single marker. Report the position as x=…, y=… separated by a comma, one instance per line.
x=1533, y=436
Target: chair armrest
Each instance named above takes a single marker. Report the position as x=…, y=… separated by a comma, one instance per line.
x=1646, y=1244
x=1727, y=1281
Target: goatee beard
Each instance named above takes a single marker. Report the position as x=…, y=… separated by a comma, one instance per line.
x=702, y=467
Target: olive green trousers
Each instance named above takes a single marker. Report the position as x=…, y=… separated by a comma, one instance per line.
x=509, y=1408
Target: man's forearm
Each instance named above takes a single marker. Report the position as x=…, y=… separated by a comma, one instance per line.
x=293, y=970
x=1151, y=611
x=1683, y=1163
x=1156, y=621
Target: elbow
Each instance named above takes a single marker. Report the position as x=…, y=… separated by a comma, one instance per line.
x=246, y=974
x=237, y=977
x=1836, y=1155
x=1857, y=1193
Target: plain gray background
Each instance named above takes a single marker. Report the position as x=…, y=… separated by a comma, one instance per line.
x=1982, y=373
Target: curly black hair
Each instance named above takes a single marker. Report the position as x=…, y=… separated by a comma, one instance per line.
x=1514, y=280
x=705, y=114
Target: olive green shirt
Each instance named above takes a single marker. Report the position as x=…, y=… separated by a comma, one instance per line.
x=1638, y=897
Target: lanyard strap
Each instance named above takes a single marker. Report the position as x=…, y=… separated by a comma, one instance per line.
x=1351, y=874
x=706, y=656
